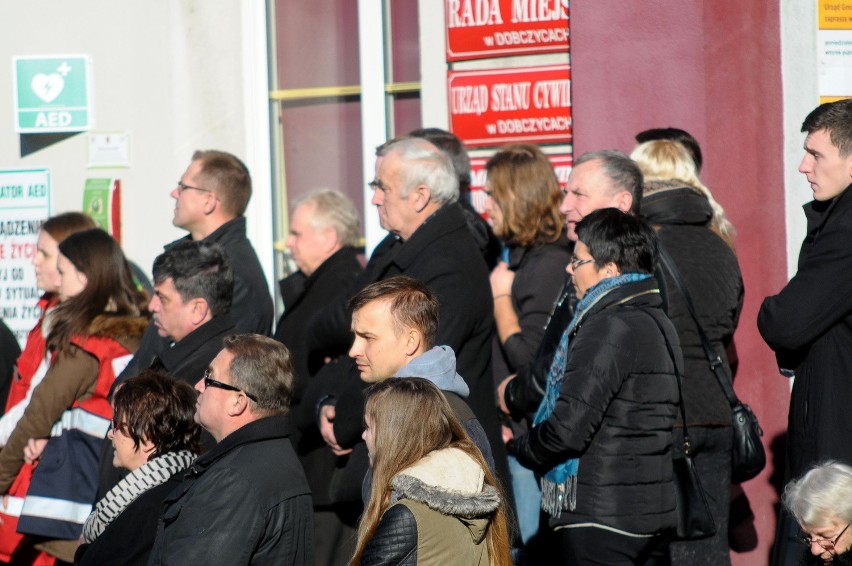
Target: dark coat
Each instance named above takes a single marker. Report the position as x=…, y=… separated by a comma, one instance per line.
x=539, y=277
x=9, y=352
x=246, y=501
x=303, y=298
x=128, y=539
x=712, y=275
x=809, y=326
x=615, y=411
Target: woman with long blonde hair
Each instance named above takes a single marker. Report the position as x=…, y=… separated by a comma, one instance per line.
x=434, y=500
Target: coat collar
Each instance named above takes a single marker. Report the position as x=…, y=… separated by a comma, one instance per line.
x=218, y=325
x=233, y=230
x=818, y=212
x=295, y=286
x=676, y=204
x=268, y=428
x=446, y=219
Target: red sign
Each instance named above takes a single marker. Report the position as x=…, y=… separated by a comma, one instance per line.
x=561, y=166
x=498, y=28
x=496, y=107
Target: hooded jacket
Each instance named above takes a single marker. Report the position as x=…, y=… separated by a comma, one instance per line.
x=440, y=512
x=438, y=365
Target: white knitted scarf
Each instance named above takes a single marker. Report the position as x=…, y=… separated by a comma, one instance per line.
x=148, y=475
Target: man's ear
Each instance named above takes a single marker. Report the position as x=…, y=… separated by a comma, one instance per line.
x=413, y=341
x=421, y=195
x=623, y=201
x=611, y=269
x=200, y=312
x=329, y=240
x=238, y=405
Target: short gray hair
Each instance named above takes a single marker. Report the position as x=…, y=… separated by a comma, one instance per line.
x=263, y=368
x=824, y=491
x=335, y=210
x=622, y=171
x=424, y=164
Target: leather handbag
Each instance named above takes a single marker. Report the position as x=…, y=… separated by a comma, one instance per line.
x=694, y=518
x=748, y=457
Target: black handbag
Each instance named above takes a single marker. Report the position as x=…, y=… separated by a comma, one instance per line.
x=748, y=456
x=694, y=519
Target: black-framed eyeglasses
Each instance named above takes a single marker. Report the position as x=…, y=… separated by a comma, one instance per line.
x=575, y=263
x=210, y=382
x=827, y=544
x=183, y=186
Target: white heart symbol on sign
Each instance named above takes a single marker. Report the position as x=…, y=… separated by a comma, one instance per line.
x=48, y=87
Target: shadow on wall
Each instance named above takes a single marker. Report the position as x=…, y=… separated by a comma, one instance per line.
x=31, y=143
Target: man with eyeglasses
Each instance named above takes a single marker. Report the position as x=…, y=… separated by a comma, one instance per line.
x=415, y=190
x=246, y=500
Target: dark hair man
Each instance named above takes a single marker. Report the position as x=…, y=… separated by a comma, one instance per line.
x=246, y=500
x=809, y=323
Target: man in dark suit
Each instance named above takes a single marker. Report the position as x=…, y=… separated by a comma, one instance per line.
x=324, y=231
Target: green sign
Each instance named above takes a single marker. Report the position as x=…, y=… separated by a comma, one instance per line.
x=53, y=94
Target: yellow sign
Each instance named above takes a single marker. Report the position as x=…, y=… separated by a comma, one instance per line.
x=835, y=14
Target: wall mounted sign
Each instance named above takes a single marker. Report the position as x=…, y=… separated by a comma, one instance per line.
x=500, y=106
x=53, y=94
x=24, y=206
x=477, y=29
x=834, y=50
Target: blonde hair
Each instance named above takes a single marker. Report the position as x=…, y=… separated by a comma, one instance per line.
x=411, y=418
x=662, y=160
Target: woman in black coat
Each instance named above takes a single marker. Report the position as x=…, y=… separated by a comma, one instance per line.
x=693, y=229
x=156, y=438
x=523, y=208
x=602, y=437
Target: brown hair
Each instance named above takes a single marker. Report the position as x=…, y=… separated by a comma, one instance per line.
x=412, y=305
x=523, y=184
x=230, y=176
x=411, y=418
x=154, y=407
x=63, y=225
x=263, y=368
x=109, y=286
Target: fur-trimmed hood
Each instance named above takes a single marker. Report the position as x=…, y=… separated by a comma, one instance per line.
x=118, y=326
x=452, y=483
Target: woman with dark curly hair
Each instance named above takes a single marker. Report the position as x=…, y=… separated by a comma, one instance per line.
x=155, y=437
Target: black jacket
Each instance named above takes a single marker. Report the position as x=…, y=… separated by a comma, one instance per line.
x=246, y=501
x=303, y=298
x=615, y=411
x=712, y=276
x=809, y=326
x=129, y=537
x=539, y=278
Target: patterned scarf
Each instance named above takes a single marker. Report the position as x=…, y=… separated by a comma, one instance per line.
x=148, y=475
x=559, y=485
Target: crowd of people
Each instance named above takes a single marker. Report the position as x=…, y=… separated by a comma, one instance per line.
x=488, y=393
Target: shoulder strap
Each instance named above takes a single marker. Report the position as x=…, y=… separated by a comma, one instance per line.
x=725, y=381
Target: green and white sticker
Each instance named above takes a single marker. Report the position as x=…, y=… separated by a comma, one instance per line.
x=53, y=94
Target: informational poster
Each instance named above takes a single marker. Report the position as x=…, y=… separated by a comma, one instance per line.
x=53, y=93
x=561, y=166
x=834, y=49
x=24, y=206
x=109, y=150
x=500, y=106
x=478, y=29
x=102, y=201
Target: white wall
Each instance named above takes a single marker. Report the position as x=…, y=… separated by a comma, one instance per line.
x=177, y=75
x=801, y=95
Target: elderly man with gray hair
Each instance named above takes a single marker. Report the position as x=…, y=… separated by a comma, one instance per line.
x=324, y=233
x=415, y=191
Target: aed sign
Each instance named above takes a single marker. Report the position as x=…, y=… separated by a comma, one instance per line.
x=479, y=29
x=53, y=94
x=517, y=105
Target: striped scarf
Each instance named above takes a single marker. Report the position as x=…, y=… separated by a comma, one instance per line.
x=559, y=485
x=148, y=475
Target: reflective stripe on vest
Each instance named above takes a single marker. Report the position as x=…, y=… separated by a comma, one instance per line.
x=82, y=420
x=57, y=509
x=13, y=507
